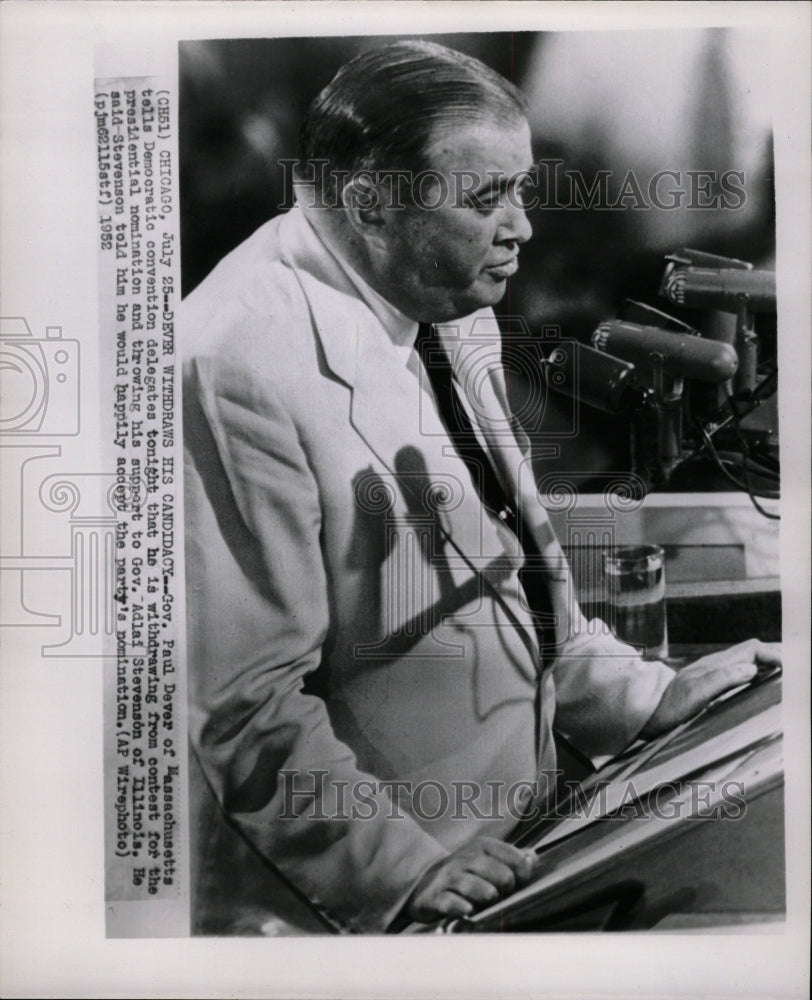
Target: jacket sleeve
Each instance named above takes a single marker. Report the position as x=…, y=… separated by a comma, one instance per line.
x=258, y=616
x=605, y=691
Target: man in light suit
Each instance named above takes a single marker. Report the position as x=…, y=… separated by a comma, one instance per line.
x=370, y=707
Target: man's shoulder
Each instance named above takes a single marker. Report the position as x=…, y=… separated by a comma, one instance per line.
x=252, y=293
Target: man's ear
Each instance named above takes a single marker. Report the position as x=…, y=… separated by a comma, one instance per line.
x=363, y=206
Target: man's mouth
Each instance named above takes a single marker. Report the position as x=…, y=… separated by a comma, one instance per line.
x=505, y=270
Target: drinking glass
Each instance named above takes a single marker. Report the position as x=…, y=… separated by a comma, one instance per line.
x=635, y=587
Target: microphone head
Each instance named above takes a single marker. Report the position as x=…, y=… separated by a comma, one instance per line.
x=592, y=378
x=680, y=355
x=707, y=281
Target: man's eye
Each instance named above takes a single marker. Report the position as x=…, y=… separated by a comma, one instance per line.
x=525, y=191
x=484, y=202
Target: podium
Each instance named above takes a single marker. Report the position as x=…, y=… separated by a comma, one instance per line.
x=684, y=833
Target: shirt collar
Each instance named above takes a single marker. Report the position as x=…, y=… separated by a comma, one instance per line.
x=400, y=328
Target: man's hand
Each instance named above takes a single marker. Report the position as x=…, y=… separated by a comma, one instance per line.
x=469, y=879
x=696, y=685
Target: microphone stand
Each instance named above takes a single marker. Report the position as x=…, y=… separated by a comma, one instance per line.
x=746, y=344
x=655, y=456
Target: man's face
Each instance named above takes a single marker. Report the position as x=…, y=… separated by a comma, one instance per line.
x=447, y=261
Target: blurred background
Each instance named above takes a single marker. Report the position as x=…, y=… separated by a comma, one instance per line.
x=618, y=102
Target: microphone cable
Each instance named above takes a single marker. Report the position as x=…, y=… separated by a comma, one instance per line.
x=745, y=486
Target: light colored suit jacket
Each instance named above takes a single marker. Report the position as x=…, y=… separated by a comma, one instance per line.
x=354, y=613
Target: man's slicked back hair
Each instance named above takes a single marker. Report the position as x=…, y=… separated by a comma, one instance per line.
x=383, y=109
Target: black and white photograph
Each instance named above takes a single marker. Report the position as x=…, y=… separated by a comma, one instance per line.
x=487, y=292
x=405, y=439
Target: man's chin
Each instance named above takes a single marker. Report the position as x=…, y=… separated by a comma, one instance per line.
x=492, y=290
x=487, y=295
x=484, y=294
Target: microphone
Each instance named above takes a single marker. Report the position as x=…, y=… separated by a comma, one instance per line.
x=706, y=281
x=681, y=355
x=592, y=378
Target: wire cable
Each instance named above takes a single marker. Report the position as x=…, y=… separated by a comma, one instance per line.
x=745, y=447
x=735, y=460
x=744, y=486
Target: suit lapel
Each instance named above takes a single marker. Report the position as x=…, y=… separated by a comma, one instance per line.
x=390, y=408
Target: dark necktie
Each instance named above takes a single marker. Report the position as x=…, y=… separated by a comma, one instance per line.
x=458, y=424
x=492, y=493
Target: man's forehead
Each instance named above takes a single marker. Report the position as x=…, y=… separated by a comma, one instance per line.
x=488, y=146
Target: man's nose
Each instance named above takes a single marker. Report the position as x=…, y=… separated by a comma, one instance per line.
x=514, y=226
